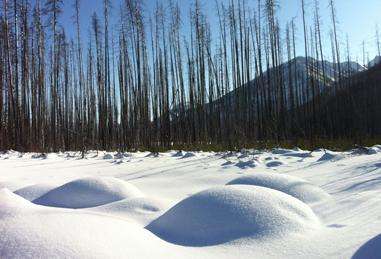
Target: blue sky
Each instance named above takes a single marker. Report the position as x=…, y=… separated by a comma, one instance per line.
x=357, y=18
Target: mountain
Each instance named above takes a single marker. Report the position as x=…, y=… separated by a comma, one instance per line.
x=375, y=61
x=354, y=110
x=292, y=74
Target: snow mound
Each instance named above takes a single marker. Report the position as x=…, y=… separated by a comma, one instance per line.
x=153, y=154
x=365, y=151
x=8, y=198
x=39, y=156
x=178, y=154
x=243, y=155
x=142, y=210
x=373, y=150
x=189, y=155
x=118, y=162
x=274, y=164
x=89, y=192
x=121, y=155
x=227, y=213
x=290, y=185
x=330, y=157
x=32, y=192
x=11, y=204
x=108, y=156
x=31, y=231
x=369, y=250
x=227, y=163
x=247, y=164
x=280, y=151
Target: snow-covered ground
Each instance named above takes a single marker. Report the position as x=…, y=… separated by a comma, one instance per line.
x=250, y=204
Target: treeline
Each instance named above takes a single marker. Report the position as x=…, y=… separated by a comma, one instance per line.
x=154, y=82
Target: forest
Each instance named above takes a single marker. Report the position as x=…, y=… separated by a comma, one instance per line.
x=150, y=85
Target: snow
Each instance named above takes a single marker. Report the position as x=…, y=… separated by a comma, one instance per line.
x=246, y=164
x=274, y=164
x=39, y=156
x=319, y=204
x=223, y=214
x=88, y=192
x=43, y=232
x=293, y=186
x=370, y=250
x=178, y=154
x=141, y=210
x=329, y=156
x=107, y=156
x=11, y=203
x=35, y=191
x=189, y=155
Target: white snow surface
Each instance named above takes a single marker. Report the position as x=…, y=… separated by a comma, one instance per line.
x=291, y=185
x=141, y=210
x=34, y=191
x=223, y=214
x=251, y=204
x=88, y=192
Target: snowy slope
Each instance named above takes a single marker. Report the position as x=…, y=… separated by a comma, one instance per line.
x=251, y=204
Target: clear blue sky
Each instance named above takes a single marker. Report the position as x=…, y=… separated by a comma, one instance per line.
x=356, y=17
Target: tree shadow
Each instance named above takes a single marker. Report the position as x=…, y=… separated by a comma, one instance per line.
x=370, y=250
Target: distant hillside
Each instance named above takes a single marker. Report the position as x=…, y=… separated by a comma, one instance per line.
x=354, y=110
x=375, y=61
x=293, y=73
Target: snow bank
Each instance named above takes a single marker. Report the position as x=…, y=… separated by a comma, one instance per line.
x=142, y=210
x=32, y=192
x=290, y=185
x=89, y=192
x=223, y=214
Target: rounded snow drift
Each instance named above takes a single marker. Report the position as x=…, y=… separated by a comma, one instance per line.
x=107, y=156
x=189, y=155
x=330, y=157
x=89, y=192
x=290, y=185
x=142, y=210
x=178, y=154
x=32, y=192
x=11, y=203
x=274, y=164
x=223, y=214
x=247, y=164
x=370, y=250
x=32, y=231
